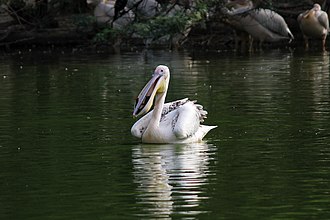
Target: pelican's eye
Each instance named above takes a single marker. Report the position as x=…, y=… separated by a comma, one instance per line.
x=163, y=73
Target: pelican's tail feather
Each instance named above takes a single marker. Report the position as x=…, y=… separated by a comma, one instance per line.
x=203, y=130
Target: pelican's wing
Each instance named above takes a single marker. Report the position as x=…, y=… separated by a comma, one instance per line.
x=188, y=119
x=323, y=19
x=171, y=106
x=272, y=21
x=140, y=126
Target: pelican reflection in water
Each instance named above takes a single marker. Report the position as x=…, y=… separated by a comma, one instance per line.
x=172, y=179
x=174, y=122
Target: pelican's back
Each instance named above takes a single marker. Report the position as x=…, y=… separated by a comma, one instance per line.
x=272, y=21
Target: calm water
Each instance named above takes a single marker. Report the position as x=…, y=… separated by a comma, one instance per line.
x=66, y=151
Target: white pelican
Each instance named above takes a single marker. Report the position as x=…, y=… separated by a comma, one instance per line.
x=314, y=23
x=174, y=122
x=262, y=24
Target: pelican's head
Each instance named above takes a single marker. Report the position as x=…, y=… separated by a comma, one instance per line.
x=158, y=84
x=316, y=9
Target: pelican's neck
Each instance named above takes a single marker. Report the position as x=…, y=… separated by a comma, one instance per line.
x=309, y=14
x=158, y=108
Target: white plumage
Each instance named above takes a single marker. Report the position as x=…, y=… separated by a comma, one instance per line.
x=174, y=122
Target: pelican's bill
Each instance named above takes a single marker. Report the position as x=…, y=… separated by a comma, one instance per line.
x=145, y=99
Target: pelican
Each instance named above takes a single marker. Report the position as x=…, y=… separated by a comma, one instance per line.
x=262, y=24
x=314, y=23
x=174, y=122
x=105, y=12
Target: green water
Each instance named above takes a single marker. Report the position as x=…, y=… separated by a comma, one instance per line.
x=66, y=151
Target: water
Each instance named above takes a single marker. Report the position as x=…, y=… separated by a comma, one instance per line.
x=66, y=151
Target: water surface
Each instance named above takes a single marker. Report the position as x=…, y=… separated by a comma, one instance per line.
x=66, y=151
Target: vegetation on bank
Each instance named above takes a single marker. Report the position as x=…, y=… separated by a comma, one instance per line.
x=66, y=22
